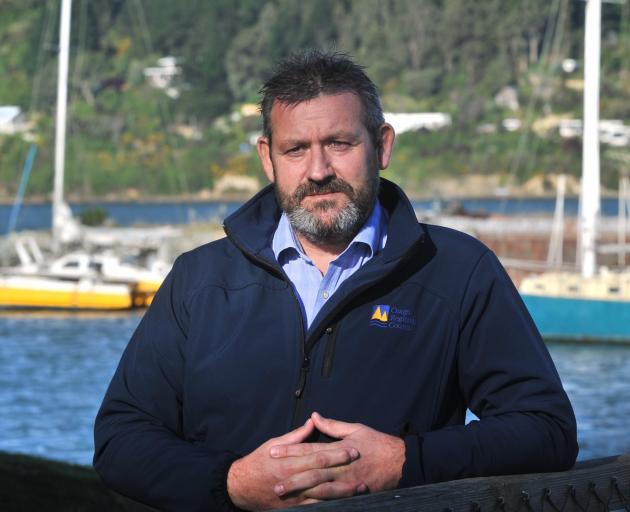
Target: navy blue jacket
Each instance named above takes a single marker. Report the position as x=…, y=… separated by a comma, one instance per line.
x=428, y=327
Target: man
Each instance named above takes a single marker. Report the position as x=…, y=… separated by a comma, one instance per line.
x=330, y=345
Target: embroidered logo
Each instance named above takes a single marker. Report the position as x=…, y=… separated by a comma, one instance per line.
x=392, y=317
x=380, y=315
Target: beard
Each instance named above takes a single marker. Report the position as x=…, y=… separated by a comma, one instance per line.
x=343, y=226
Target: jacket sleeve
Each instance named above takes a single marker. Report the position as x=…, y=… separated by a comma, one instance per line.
x=140, y=450
x=526, y=422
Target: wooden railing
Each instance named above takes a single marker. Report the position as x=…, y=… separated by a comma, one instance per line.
x=595, y=485
x=30, y=483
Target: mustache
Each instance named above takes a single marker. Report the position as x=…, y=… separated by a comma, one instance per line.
x=312, y=188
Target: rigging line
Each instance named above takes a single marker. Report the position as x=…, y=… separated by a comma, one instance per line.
x=552, y=61
x=43, y=43
x=163, y=111
x=19, y=198
x=551, y=26
x=33, y=103
x=75, y=82
x=535, y=97
x=80, y=51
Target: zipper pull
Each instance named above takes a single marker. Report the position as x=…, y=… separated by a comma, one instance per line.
x=303, y=371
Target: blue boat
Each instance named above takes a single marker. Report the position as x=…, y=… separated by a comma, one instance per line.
x=593, y=304
x=576, y=319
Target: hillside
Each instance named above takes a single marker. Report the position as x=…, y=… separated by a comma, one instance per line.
x=481, y=62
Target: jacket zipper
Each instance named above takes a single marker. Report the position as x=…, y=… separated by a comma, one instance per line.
x=298, y=408
x=333, y=328
x=330, y=350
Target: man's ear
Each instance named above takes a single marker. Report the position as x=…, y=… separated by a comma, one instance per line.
x=386, y=137
x=263, y=146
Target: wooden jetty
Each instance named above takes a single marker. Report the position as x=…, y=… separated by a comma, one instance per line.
x=29, y=483
x=595, y=485
x=522, y=242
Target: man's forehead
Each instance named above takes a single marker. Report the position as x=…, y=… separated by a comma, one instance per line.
x=280, y=106
x=325, y=114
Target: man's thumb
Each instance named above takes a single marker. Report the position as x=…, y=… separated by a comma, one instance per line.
x=333, y=428
x=299, y=434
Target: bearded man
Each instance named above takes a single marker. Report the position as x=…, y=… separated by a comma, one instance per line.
x=331, y=344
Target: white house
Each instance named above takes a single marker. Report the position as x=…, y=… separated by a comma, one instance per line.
x=405, y=122
x=611, y=131
x=163, y=74
x=11, y=120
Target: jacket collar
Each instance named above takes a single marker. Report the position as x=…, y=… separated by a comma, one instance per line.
x=252, y=226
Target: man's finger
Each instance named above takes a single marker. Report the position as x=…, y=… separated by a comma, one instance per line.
x=334, y=490
x=320, y=467
x=333, y=428
x=298, y=450
x=328, y=458
x=305, y=480
x=298, y=435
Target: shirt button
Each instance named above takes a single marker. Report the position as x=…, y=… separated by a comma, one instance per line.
x=325, y=295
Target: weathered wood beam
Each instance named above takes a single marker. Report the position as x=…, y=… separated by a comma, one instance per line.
x=595, y=485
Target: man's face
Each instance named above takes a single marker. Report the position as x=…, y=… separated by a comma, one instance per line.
x=324, y=166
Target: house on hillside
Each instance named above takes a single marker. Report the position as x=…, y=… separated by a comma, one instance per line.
x=406, y=122
x=13, y=122
x=162, y=75
x=611, y=131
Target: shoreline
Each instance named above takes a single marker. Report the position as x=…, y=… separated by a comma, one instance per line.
x=241, y=198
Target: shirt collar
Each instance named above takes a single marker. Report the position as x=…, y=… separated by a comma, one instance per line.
x=371, y=234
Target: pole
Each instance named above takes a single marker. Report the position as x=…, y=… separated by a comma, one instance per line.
x=60, y=125
x=590, y=191
x=556, y=242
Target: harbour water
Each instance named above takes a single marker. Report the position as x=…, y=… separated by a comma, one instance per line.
x=54, y=370
x=37, y=216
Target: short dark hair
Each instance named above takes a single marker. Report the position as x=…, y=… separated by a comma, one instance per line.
x=305, y=75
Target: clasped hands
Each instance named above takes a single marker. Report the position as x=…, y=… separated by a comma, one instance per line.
x=286, y=471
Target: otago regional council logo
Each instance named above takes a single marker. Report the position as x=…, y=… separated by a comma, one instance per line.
x=393, y=317
x=380, y=315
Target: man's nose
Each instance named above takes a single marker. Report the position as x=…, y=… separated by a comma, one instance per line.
x=320, y=165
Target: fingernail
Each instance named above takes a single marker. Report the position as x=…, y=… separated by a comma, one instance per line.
x=279, y=489
x=362, y=488
x=274, y=451
x=354, y=453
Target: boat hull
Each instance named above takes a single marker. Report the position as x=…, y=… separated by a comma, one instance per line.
x=18, y=292
x=578, y=319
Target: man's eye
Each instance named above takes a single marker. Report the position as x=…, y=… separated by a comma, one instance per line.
x=339, y=144
x=294, y=150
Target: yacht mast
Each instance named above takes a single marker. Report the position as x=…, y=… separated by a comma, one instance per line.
x=590, y=189
x=58, y=218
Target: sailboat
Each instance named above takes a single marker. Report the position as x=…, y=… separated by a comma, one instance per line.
x=76, y=281
x=594, y=304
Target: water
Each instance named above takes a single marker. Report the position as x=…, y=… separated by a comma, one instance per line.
x=54, y=370
x=53, y=374
x=37, y=216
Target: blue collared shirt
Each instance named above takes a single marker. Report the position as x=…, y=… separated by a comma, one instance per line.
x=312, y=288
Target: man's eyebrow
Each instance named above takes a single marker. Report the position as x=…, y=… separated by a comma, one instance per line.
x=289, y=143
x=342, y=134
